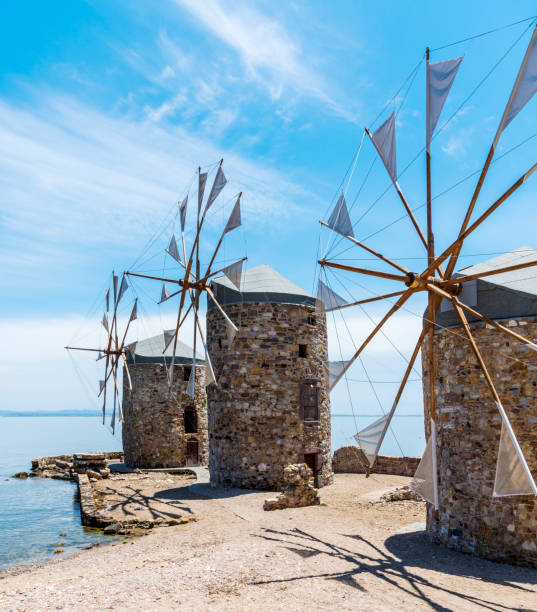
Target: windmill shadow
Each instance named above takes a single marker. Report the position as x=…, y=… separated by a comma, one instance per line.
x=395, y=566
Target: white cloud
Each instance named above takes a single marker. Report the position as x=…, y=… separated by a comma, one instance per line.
x=269, y=54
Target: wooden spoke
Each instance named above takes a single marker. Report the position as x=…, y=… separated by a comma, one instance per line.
x=368, y=249
x=210, y=292
x=469, y=277
x=388, y=275
x=366, y=301
x=392, y=310
x=452, y=247
x=159, y=278
x=78, y=348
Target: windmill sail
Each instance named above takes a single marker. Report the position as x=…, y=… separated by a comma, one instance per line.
x=191, y=386
x=339, y=220
x=106, y=323
x=100, y=356
x=108, y=300
x=165, y=294
x=425, y=482
x=231, y=333
x=328, y=299
x=134, y=312
x=513, y=476
x=526, y=85
x=234, y=273
x=440, y=77
x=173, y=250
x=219, y=184
x=384, y=141
x=209, y=372
x=234, y=220
x=182, y=213
x=201, y=188
x=368, y=439
x=101, y=386
x=123, y=287
x=335, y=369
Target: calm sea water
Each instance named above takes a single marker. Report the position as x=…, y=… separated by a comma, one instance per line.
x=35, y=511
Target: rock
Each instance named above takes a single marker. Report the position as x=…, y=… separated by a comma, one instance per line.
x=173, y=522
x=61, y=476
x=63, y=535
x=58, y=551
x=93, y=475
x=20, y=475
x=299, y=491
x=188, y=519
x=112, y=529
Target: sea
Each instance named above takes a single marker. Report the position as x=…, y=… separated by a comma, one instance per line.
x=39, y=516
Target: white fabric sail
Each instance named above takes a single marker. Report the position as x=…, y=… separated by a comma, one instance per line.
x=231, y=333
x=173, y=250
x=527, y=85
x=234, y=273
x=101, y=386
x=182, y=213
x=209, y=372
x=122, y=288
x=335, y=368
x=234, y=220
x=114, y=283
x=440, y=77
x=134, y=312
x=191, y=386
x=339, y=220
x=384, y=141
x=132, y=349
x=219, y=184
x=100, y=356
x=169, y=335
x=513, y=476
x=424, y=482
x=328, y=299
x=108, y=300
x=165, y=294
x=201, y=188
x=106, y=323
x=368, y=438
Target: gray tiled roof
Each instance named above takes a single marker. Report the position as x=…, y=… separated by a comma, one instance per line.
x=260, y=284
x=151, y=350
x=500, y=296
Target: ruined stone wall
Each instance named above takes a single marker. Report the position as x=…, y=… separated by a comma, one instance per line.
x=153, y=428
x=255, y=423
x=468, y=432
x=351, y=459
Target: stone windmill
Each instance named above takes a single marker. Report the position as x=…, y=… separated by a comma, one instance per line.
x=438, y=280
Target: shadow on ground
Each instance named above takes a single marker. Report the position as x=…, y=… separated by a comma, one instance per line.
x=396, y=565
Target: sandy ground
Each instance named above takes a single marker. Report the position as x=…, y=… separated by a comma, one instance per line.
x=348, y=554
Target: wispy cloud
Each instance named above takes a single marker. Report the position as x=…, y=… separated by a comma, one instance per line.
x=269, y=54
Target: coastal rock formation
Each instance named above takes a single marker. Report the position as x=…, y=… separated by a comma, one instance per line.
x=298, y=492
x=66, y=467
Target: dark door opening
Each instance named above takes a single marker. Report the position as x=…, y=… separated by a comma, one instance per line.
x=191, y=420
x=192, y=453
x=314, y=462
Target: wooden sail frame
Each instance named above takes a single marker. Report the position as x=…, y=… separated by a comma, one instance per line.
x=439, y=284
x=115, y=349
x=193, y=282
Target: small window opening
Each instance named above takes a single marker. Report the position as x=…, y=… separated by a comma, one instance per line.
x=191, y=421
x=312, y=320
x=302, y=350
x=186, y=373
x=309, y=400
x=219, y=342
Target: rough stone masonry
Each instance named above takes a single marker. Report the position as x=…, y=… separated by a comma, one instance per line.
x=257, y=419
x=468, y=425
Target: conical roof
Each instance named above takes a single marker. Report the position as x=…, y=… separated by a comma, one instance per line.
x=500, y=296
x=151, y=350
x=259, y=284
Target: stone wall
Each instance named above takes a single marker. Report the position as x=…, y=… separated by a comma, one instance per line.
x=298, y=492
x=153, y=428
x=468, y=432
x=351, y=459
x=255, y=423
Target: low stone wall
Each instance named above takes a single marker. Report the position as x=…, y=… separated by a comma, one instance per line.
x=299, y=490
x=351, y=459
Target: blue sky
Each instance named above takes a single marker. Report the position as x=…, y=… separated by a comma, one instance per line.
x=107, y=109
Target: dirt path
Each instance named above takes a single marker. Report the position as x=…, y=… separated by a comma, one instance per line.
x=348, y=554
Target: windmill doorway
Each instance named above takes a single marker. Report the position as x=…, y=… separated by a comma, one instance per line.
x=313, y=460
x=192, y=453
